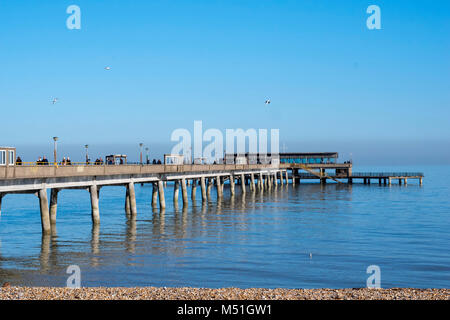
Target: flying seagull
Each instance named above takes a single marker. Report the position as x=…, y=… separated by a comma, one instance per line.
x=267, y=101
x=55, y=100
x=107, y=68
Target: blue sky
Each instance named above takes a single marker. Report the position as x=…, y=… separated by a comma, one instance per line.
x=332, y=82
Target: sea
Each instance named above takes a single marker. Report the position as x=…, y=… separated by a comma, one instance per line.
x=303, y=236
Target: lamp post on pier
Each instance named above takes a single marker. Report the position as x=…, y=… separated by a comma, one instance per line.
x=55, y=139
x=87, y=155
x=146, y=160
x=141, y=145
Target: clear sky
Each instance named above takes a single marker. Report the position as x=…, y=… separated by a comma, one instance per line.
x=332, y=82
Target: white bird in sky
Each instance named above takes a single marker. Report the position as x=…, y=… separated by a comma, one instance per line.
x=267, y=101
x=107, y=68
x=55, y=100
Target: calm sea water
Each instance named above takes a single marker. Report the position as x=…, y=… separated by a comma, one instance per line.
x=260, y=240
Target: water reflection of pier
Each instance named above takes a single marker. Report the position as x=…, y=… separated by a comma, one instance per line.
x=174, y=231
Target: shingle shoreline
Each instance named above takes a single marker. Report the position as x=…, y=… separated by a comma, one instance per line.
x=163, y=293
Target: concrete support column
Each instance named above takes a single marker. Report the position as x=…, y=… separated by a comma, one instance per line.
x=53, y=205
x=275, y=179
x=208, y=188
x=184, y=191
x=176, y=191
x=420, y=182
x=203, y=187
x=293, y=177
x=95, y=212
x=162, y=199
x=350, y=180
x=132, y=196
x=154, y=194
x=287, y=176
x=194, y=189
x=243, y=183
x=281, y=178
x=232, y=190
x=127, y=202
x=219, y=187
x=379, y=181
x=400, y=181
x=222, y=185
x=390, y=181
x=322, y=173
x=45, y=214
x=252, y=182
x=406, y=181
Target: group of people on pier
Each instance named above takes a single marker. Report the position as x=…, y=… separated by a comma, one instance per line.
x=43, y=161
x=98, y=161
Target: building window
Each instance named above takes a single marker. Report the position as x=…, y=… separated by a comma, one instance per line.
x=11, y=158
x=2, y=157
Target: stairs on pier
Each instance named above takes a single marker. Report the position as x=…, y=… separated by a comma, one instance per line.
x=318, y=173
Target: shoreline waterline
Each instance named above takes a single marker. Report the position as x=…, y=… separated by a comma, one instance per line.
x=186, y=293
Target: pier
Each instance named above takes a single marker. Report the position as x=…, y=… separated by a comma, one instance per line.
x=39, y=179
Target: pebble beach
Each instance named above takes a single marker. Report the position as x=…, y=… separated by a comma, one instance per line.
x=154, y=293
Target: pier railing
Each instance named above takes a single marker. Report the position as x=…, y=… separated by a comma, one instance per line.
x=387, y=174
x=369, y=175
